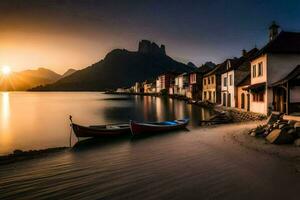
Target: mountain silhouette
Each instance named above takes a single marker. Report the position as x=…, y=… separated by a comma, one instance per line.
x=120, y=68
x=68, y=72
x=24, y=80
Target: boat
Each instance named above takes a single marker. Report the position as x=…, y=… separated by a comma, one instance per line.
x=139, y=128
x=101, y=131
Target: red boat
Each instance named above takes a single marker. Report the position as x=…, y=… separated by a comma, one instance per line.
x=156, y=127
x=101, y=131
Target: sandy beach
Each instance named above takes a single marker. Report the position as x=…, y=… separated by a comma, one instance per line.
x=217, y=162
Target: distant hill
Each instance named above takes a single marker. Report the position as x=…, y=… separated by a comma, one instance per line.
x=120, y=68
x=68, y=72
x=24, y=80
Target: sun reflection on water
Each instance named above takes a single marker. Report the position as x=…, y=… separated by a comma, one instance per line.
x=4, y=121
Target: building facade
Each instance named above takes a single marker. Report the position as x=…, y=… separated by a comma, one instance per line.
x=272, y=63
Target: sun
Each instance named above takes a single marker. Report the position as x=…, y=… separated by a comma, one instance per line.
x=6, y=70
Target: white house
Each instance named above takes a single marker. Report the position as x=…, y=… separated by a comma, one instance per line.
x=274, y=62
x=183, y=83
x=236, y=71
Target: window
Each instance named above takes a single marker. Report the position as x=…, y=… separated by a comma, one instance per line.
x=208, y=80
x=204, y=96
x=254, y=71
x=260, y=69
x=212, y=80
x=225, y=82
x=214, y=96
x=209, y=95
x=230, y=79
x=204, y=82
x=258, y=97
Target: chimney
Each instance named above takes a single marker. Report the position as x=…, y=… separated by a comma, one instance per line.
x=273, y=31
x=244, y=52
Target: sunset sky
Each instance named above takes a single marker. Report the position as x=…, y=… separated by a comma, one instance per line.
x=62, y=34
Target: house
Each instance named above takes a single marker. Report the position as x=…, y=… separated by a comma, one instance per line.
x=164, y=81
x=174, y=88
x=211, y=89
x=138, y=87
x=183, y=84
x=273, y=86
x=286, y=93
x=237, y=69
x=124, y=90
x=149, y=86
x=195, y=82
x=243, y=95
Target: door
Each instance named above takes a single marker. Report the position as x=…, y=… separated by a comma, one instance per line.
x=229, y=100
x=242, y=101
x=248, y=102
x=224, y=99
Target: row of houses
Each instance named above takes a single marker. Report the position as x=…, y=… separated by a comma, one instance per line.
x=260, y=80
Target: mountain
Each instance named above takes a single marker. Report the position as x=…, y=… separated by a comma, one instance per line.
x=120, y=68
x=68, y=72
x=24, y=80
x=191, y=64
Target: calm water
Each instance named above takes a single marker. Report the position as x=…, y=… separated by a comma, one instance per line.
x=198, y=164
x=40, y=120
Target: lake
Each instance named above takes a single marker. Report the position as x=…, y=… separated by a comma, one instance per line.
x=38, y=120
x=202, y=163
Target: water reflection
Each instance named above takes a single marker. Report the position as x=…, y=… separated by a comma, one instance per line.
x=32, y=120
x=5, y=137
x=147, y=108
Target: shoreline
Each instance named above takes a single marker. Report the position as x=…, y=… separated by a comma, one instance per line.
x=19, y=155
x=286, y=152
x=237, y=114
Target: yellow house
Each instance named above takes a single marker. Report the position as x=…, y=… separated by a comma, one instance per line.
x=211, y=84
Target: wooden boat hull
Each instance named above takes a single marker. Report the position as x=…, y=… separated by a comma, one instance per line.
x=138, y=129
x=100, y=131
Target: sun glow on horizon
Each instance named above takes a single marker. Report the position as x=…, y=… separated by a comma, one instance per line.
x=6, y=70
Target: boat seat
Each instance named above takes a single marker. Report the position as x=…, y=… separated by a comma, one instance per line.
x=112, y=127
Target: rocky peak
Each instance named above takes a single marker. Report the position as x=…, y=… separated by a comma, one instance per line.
x=148, y=47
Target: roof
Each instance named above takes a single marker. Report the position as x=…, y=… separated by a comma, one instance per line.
x=257, y=86
x=292, y=75
x=243, y=62
x=245, y=81
x=218, y=69
x=285, y=42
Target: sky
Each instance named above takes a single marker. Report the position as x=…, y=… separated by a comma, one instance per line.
x=63, y=34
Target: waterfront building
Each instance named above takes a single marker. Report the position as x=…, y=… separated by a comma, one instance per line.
x=274, y=74
x=195, y=82
x=165, y=81
x=183, y=84
x=138, y=88
x=149, y=86
x=237, y=70
x=243, y=95
x=211, y=89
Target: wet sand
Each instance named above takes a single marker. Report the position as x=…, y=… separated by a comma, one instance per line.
x=204, y=163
